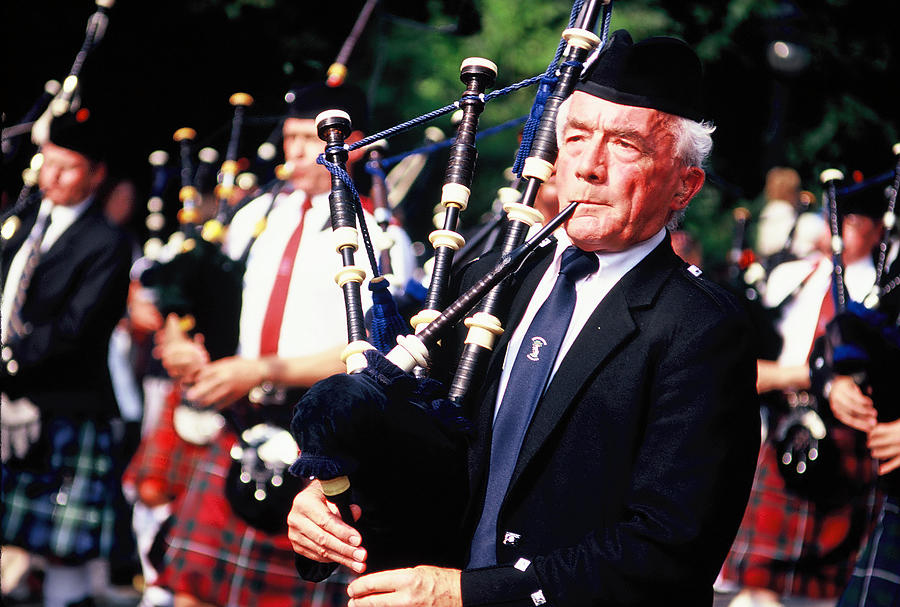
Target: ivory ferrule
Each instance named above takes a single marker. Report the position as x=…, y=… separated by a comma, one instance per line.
x=409, y=353
x=483, y=329
x=455, y=194
x=518, y=211
x=349, y=274
x=537, y=169
x=446, y=238
x=581, y=38
x=345, y=237
x=420, y=320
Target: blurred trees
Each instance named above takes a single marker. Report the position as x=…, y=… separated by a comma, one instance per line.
x=819, y=100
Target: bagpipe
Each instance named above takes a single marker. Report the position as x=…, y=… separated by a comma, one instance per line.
x=385, y=429
x=55, y=100
x=863, y=339
x=67, y=96
x=190, y=275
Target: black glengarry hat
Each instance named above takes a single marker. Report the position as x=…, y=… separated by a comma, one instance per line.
x=868, y=200
x=80, y=132
x=310, y=100
x=660, y=73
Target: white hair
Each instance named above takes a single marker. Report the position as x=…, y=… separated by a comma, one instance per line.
x=693, y=143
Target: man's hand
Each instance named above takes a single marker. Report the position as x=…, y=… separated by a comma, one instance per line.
x=223, y=381
x=145, y=318
x=181, y=356
x=850, y=405
x=317, y=532
x=884, y=444
x=422, y=586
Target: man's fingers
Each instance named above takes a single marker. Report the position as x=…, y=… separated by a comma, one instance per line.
x=889, y=466
x=313, y=542
x=317, y=531
x=379, y=583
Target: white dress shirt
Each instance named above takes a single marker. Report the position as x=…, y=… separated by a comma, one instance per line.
x=589, y=291
x=800, y=315
x=314, y=316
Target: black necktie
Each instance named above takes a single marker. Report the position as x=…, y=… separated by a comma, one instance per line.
x=16, y=325
x=527, y=379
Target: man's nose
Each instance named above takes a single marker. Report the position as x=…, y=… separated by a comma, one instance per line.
x=49, y=174
x=592, y=164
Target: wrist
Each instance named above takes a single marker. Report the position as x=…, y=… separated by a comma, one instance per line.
x=826, y=389
x=266, y=370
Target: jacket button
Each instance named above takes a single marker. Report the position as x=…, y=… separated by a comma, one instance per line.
x=510, y=538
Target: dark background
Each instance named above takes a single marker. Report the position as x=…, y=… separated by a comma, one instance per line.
x=174, y=63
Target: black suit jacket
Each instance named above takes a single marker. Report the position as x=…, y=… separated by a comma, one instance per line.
x=76, y=296
x=636, y=469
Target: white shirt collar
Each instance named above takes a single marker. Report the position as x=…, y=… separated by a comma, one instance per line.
x=616, y=259
x=61, y=218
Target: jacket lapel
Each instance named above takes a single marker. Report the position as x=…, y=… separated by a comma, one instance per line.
x=611, y=324
x=60, y=250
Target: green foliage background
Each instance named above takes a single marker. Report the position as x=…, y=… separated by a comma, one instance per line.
x=174, y=63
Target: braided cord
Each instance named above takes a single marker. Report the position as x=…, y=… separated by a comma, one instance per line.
x=405, y=126
x=548, y=82
x=433, y=147
x=341, y=173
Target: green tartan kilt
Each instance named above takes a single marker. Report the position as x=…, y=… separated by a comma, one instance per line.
x=58, y=501
x=876, y=579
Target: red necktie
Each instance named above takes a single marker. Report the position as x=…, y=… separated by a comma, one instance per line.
x=826, y=313
x=271, y=327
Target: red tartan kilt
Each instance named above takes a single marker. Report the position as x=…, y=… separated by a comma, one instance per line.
x=793, y=545
x=215, y=556
x=163, y=458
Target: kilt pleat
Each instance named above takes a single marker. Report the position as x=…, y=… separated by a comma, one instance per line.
x=796, y=545
x=876, y=579
x=63, y=508
x=163, y=456
x=216, y=557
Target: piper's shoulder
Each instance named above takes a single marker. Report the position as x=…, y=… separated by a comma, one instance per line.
x=704, y=293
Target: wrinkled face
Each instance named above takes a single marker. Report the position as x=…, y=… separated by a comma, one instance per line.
x=67, y=177
x=619, y=162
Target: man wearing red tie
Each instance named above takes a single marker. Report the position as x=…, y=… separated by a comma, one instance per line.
x=799, y=538
x=292, y=330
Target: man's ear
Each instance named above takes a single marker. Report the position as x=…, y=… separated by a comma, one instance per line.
x=98, y=174
x=692, y=179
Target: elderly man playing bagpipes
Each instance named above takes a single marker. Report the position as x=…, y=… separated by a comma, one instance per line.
x=613, y=472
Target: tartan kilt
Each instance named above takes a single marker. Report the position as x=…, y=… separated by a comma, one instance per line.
x=163, y=456
x=876, y=579
x=214, y=556
x=794, y=545
x=59, y=502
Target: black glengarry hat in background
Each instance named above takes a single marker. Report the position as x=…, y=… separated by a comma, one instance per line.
x=310, y=100
x=80, y=132
x=660, y=73
x=869, y=201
